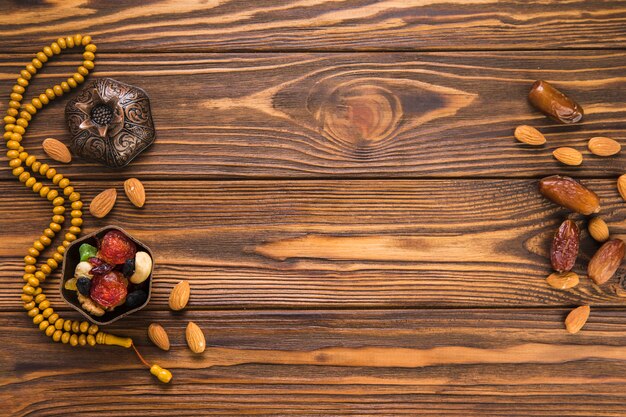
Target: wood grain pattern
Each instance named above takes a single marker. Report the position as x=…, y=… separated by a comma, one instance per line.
x=338, y=243
x=228, y=25
x=351, y=115
x=386, y=362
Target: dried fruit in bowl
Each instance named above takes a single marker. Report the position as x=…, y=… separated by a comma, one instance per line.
x=116, y=248
x=87, y=251
x=109, y=290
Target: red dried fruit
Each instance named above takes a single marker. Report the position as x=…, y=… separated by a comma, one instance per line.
x=565, y=246
x=109, y=290
x=101, y=269
x=116, y=248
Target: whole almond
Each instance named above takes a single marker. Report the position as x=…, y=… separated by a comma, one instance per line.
x=598, y=229
x=179, y=297
x=135, y=192
x=529, y=135
x=577, y=318
x=563, y=281
x=602, y=146
x=569, y=193
x=102, y=204
x=195, y=338
x=568, y=156
x=606, y=260
x=621, y=186
x=565, y=243
x=57, y=150
x=158, y=336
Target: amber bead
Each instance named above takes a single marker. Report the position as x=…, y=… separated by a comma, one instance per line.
x=75, y=327
x=18, y=89
x=82, y=340
x=52, y=194
x=73, y=340
x=72, y=82
x=30, y=269
x=44, y=305
x=65, y=87
x=89, y=65
x=27, y=289
x=59, y=201
x=74, y=230
x=40, y=298
x=93, y=329
x=58, y=257
x=78, y=78
x=53, y=318
x=22, y=82
x=37, y=319
x=67, y=325
x=30, y=108
x=50, y=331
x=48, y=51
x=29, y=306
x=61, y=249
x=73, y=196
x=24, y=176
x=52, y=263
x=69, y=41
x=84, y=326
x=50, y=93
x=19, y=130
x=45, y=240
x=83, y=71
x=33, y=312
x=77, y=221
x=86, y=40
x=58, y=91
x=45, y=269
x=78, y=39
x=37, y=63
x=65, y=337
x=42, y=56
x=68, y=190
x=91, y=340
x=33, y=282
x=56, y=336
x=76, y=213
x=26, y=298
x=55, y=227
x=29, y=260
x=38, y=245
x=35, y=166
x=51, y=173
x=57, y=179
x=17, y=171
x=59, y=323
x=44, y=325
x=49, y=233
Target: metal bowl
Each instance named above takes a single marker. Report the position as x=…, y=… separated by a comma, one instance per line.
x=72, y=258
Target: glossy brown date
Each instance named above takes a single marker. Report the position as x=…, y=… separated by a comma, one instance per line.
x=565, y=245
x=554, y=103
x=606, y=260
x=569, y=193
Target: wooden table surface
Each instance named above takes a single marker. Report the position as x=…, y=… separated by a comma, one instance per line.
x=339, y=183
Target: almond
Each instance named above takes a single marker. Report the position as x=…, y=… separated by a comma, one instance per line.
x=179, y=297
x=577, y=318
x=102, y=204
x=598, y=229
x=158, y=336
x=621, y=186
x=606, y=260
x=569, y=193
x=563, y=281
x=602, y=146
x=529, y=135
x=195, y=338
x=57, y=150
x=568, y=156
x=135, y=192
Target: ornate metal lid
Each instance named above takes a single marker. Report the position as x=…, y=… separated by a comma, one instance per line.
x=110, y=122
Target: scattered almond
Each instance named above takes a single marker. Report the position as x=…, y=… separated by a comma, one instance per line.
x=598, y=229
x=568, y=156
x=135, y=192
x=577, y=318
x=529, y=135
x=158, y=336
x=57, y=150
x=563, y=281
x=179, y=297
x=602, y=146
x=102, y=204
x=621, y=186
x=195, y=338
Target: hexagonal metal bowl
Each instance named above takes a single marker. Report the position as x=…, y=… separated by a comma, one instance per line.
x=72, y=258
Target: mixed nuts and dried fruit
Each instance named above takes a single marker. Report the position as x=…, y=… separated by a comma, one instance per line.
x=110, y=275
x=570, y=194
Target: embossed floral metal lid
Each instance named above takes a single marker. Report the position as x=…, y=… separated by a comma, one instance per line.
x=110, y=122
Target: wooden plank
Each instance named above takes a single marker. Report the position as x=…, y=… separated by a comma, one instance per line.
x=335, y=244
x=320, y=25
x=350, y=115
x=386, y=362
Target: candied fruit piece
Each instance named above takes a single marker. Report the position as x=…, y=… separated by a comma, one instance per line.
x=116, y=248
x=109, y=290
x=70, y=284
x=87, y=251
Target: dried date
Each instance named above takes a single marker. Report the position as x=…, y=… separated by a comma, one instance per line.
x=565, y=246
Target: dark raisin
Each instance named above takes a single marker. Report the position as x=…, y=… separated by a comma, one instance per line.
x=136, y=298
x=129, y=267
x=83, y=285
x=102, y=269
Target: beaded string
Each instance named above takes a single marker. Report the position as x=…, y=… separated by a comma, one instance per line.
x=16, y=122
